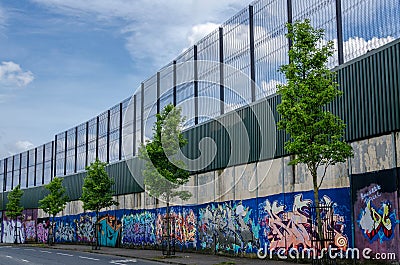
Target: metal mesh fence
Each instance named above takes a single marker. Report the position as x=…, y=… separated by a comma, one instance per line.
x=252, y=42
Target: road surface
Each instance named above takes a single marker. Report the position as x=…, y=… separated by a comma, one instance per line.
x=10, y=255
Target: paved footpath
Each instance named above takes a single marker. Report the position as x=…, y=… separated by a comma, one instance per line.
x=180, y=258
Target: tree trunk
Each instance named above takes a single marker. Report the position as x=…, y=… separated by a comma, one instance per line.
x=15, y=231
x=97, y=231
x=51, y=234
x=168, y=232
x=319, y=234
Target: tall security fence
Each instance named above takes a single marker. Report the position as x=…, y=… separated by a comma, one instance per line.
x=252, y=42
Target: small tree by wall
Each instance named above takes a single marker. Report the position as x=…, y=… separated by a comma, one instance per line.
x=97, y=192
x=54, y=203
x=317, y=135
x=164, y=173
x=14, y=208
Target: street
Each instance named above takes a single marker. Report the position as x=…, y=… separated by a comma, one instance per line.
x=10, y=255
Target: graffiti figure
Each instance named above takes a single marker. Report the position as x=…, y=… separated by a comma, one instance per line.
x=85, y=228
x=109, y=230
x=292, y=229
x=378, y=224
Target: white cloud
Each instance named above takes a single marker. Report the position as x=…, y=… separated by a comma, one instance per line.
x=154, y=30
x=11, y=74
x=355, y=47
x=21, y=146
x=12, y=148
x=199, y=31
x=270, y=87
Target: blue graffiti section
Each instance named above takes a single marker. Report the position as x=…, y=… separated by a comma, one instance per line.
x=139, y=229
x=278, y=221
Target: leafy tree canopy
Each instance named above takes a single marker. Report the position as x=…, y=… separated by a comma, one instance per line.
x=316, y=134
x=56, y=200
x=96, y=190
x=164, y=172
x=13, y=207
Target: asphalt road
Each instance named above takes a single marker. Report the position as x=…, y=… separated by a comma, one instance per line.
x=10, y=255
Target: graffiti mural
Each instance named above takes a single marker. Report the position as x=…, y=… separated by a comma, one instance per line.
x=228, y=227
x=109, y=233
x=65, y=231
x=378, y=224
x=30, y=230
x=9, y=233
x=183, y=226
x=42, y=230
x=138, y=229
x=288, y=226
x=375, y=199
x=85, y=228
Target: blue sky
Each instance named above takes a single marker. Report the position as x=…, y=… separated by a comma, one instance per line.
x=63, y=62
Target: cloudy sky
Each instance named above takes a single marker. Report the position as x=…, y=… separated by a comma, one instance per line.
x=63, y=62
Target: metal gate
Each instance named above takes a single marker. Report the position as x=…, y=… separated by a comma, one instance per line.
x=326, y=237
x=168, y=236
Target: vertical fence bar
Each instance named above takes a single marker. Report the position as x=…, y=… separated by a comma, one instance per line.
x=134, y=126
x=51, y=162
x=27, y=169
x=43, y=163
x=142, y=114
x=5, y=172
x=97, y=137
x=221, y=70
x=76, y=150
x=339, y=31
x=252, y=58
x=158, y=92
x=108, y=136
x=12, y=173
x=35, y=168
x=20, y=167
x=290, y=18
x=55, y=160
x=196, y=86
x=87, y=145
x=120, y=132
x=65, y=154
x=174, y=83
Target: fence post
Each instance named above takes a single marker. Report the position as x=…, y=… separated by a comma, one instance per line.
x=339, y=31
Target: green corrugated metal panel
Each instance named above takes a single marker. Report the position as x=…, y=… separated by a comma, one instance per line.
x=29, y=199
x=125, y=182
x=369, y=106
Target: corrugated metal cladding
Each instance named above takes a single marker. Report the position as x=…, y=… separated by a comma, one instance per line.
x=126, y=182
x=370, y=106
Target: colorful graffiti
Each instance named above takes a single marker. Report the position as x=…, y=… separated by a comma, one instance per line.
x=30, y=230
x=109, y=233
x=183, y=226
x=85, y=228
x=280, y=221
x=65, y=231
x=291, y=229
x=227, y=227
x=12, y=231
x=376, y=204
x=378, y=224
x=138, y=229
x=42, y=230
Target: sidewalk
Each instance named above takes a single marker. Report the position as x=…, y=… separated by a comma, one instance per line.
x=180, y=258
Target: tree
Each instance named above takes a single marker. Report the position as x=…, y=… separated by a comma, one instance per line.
x=96, y=191
x=317, y=135
x=164, y=173
x=54, y=202
x=14, y=208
